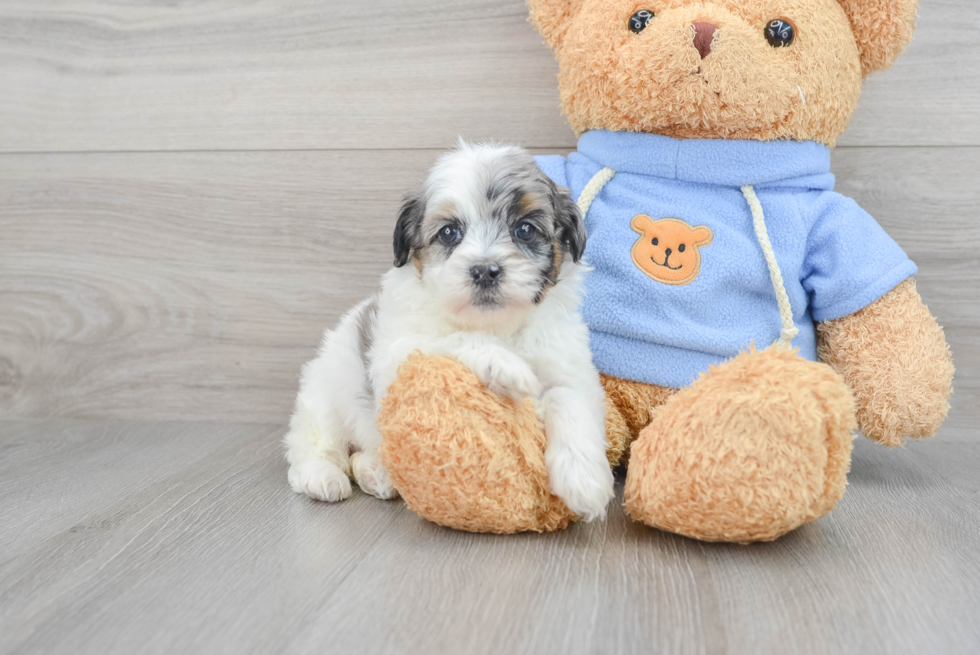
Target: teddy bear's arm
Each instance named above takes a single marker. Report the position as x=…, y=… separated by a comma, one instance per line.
x=894, y=357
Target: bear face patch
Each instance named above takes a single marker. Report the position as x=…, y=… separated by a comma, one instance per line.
x=669, y=250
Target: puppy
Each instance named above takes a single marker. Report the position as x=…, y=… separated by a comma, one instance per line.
x=487, y=271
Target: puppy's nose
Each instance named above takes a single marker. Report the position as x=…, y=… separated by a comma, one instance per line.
x=704, y=34
x=485, y=275
x=668, y=251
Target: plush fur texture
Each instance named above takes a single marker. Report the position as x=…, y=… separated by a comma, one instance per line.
x=882, y=28
x=894, y=357
x=465, y=458
x=656, y=81
x=756, y=447
x=618, y=435
x=635, y=402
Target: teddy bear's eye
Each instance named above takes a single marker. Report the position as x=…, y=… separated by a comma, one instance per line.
x=681, y=248
x=655, y=241
x=780, y=33
x=639, y=20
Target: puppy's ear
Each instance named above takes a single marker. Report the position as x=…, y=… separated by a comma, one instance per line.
x=882, y=29
x=569, y=223
x=408, y=228
x=552, y=17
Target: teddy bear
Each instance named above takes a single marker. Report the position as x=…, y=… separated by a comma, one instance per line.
x=746, y=318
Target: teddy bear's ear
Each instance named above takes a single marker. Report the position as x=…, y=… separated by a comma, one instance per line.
x=702, y=235
x=552, y=17
x=882, y=28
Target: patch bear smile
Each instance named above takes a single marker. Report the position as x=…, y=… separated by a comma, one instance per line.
x=665, y=264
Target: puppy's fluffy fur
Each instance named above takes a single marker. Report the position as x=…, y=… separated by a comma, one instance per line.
x=486, y=271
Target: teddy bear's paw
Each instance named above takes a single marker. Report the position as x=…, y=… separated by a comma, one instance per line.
x=895, y=359
x=463, y=457
x=753, y=449
x=320, y=480
x=584, y=484
x=504, y=373
x=370, y=475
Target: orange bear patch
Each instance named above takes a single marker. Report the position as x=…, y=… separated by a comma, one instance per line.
x=669, y=250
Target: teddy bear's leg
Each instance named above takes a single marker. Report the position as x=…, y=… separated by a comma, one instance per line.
x=754, y=448
x=893, y=355
x=633, y=402
x=463, y=457
x=618, y=435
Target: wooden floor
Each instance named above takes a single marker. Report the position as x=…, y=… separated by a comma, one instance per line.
x=191, y=191
x=180, y=537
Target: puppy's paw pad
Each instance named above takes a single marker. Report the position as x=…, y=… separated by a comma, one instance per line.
x=320, y=480
x=371, y=476
x=585, y=486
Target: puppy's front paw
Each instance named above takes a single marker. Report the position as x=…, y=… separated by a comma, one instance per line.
x=371, y=476
x=320, y=480
x=584, y=483
x=506, y=374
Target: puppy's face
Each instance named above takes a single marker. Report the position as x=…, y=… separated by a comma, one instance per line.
x=488, y=232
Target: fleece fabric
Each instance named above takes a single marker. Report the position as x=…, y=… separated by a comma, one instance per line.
x=680, y=281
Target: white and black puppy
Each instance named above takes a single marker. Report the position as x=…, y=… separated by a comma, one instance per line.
x=486, y=271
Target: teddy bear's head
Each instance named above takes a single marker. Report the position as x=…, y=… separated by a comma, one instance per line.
x=724, y=69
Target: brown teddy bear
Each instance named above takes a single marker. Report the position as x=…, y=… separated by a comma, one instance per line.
x=703, y=173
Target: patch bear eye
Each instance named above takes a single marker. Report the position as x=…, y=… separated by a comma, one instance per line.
x=450, y=235
x=681, y=248
x=655, y=241
x=780, y=33
x=525, y=232
x=640, y=20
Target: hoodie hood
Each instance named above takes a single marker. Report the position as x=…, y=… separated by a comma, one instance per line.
x=794, y=164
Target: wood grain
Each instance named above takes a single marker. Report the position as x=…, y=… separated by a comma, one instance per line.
x=94, y=75
x=196, y=545
x=194, y=285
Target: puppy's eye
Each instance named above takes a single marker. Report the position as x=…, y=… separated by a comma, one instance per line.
x=640, y=20
x=681, y=248
x=525, y=232
x=450, y=235
x=655, y=241
x=780, y=33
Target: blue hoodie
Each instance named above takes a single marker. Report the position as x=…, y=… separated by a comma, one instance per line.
x=664, y=317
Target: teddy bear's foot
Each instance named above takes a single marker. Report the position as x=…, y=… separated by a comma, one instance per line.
x=463, y=457
x=753, y=449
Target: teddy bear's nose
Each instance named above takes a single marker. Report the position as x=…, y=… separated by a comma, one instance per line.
x=704, y=34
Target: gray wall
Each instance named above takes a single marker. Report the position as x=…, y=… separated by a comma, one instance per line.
x=190, y=193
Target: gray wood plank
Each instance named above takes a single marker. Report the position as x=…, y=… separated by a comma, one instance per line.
x=191, y=285
x=92, y=75
x=216, y=555
x=194, y=285
x=41, y=463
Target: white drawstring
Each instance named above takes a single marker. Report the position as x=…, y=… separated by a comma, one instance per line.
x=789, y=329
x=593, y=188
